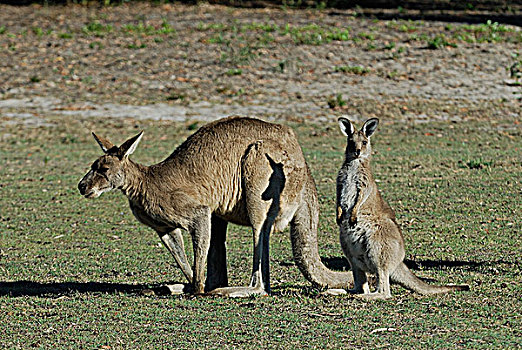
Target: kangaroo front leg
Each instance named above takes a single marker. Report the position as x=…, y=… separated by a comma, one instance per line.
x=174, y=242
x=200, y=231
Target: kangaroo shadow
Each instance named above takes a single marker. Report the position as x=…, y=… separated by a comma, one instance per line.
x=341, y=264
x=30, y=288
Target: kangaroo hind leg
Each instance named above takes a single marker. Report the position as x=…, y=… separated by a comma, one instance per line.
x=263, y=181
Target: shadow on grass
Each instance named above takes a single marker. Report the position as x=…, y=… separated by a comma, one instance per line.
x=341, y=264
x=29, y=288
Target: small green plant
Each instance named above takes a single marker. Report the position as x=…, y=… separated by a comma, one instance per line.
x=438, y=42
x=392, y=74
x=65, y=35
x=140, y=28
x=234, y=71
x=96, y=45
x=35, y=79
x=359, y=70
x=478, y=164
x=176, y=97
x=3, y=30
x=515, y=70
x=336, y=101
x=97, y=29
x=390, y=46
x=367, y=36
x=136, y=46
x=38, y=31
x=165, y=28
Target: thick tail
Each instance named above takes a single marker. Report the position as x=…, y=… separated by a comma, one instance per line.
x=404, y=277
x=303, y=233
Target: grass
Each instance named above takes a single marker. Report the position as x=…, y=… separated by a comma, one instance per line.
x=72, y=269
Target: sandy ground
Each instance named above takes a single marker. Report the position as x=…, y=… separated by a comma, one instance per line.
x=211, y=64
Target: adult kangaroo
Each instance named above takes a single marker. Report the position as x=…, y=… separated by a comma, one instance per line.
x=370, y=236
x=239, y=170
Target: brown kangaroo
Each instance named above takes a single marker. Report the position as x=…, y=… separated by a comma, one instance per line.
x=239, y=170
x=370, y=236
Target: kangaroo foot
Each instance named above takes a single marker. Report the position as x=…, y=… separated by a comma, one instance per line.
x=238, y=292
x=178, y=288
x=373, y=296
x=334, y=291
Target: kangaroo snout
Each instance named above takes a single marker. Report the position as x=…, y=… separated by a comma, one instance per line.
x=82, y=188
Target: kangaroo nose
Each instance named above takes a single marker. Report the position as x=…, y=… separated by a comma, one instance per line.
x=357, y=152
x=81, y=187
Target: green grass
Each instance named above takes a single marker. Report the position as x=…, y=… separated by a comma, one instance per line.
x=71, y=269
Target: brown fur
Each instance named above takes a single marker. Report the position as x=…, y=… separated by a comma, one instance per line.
x=370, y=236
x=240, y=170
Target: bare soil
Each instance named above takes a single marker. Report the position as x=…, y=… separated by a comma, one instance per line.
x=215, y=61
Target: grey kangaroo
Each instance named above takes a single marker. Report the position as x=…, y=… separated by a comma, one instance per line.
x=239, y=170
x=370, y=236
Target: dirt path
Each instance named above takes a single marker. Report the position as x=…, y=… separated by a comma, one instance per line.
x=203, y=62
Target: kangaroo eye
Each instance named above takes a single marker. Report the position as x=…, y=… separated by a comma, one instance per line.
x=365, y=143
x=103, y=170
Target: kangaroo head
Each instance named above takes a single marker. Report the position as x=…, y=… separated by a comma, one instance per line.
x=358, y=145
x=108, y=171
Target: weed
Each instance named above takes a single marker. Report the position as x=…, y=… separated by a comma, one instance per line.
x=165, y=28
x=136, y=46
x=97, y=29
x=392, y=74
x=176, y=97
x=389, y=46
x=38, y=31
x=35, y=79
x=478, y=164
x=96, y=44
x=87, y=79
x=3, y=30
x=367, y=36
x=139, y=28
x=438, y=42
x=218, y=39
x=234, y=71
x=65, y=35
x=352, y=69
x=336, y=101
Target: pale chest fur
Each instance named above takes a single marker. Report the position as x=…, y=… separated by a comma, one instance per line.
x=348, y=186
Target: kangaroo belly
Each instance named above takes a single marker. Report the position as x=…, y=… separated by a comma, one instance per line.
x=357, y=244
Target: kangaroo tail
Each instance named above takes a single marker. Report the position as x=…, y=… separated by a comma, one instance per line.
x=407, y=279
x=303, y=233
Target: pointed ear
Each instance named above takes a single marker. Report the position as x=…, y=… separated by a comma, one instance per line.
x=370, y=126
x=105, y=144
x=346, y=126
x=130, y=145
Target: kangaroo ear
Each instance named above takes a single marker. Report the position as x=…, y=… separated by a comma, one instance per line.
x=105, y=144
x=370, y=126
x=130, y=145
x=346, y=126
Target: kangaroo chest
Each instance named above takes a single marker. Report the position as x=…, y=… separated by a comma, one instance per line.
x=150, y=220
x=348, y=187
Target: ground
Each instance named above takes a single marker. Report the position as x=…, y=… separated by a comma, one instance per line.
x=205, y=62
x=79, y=273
